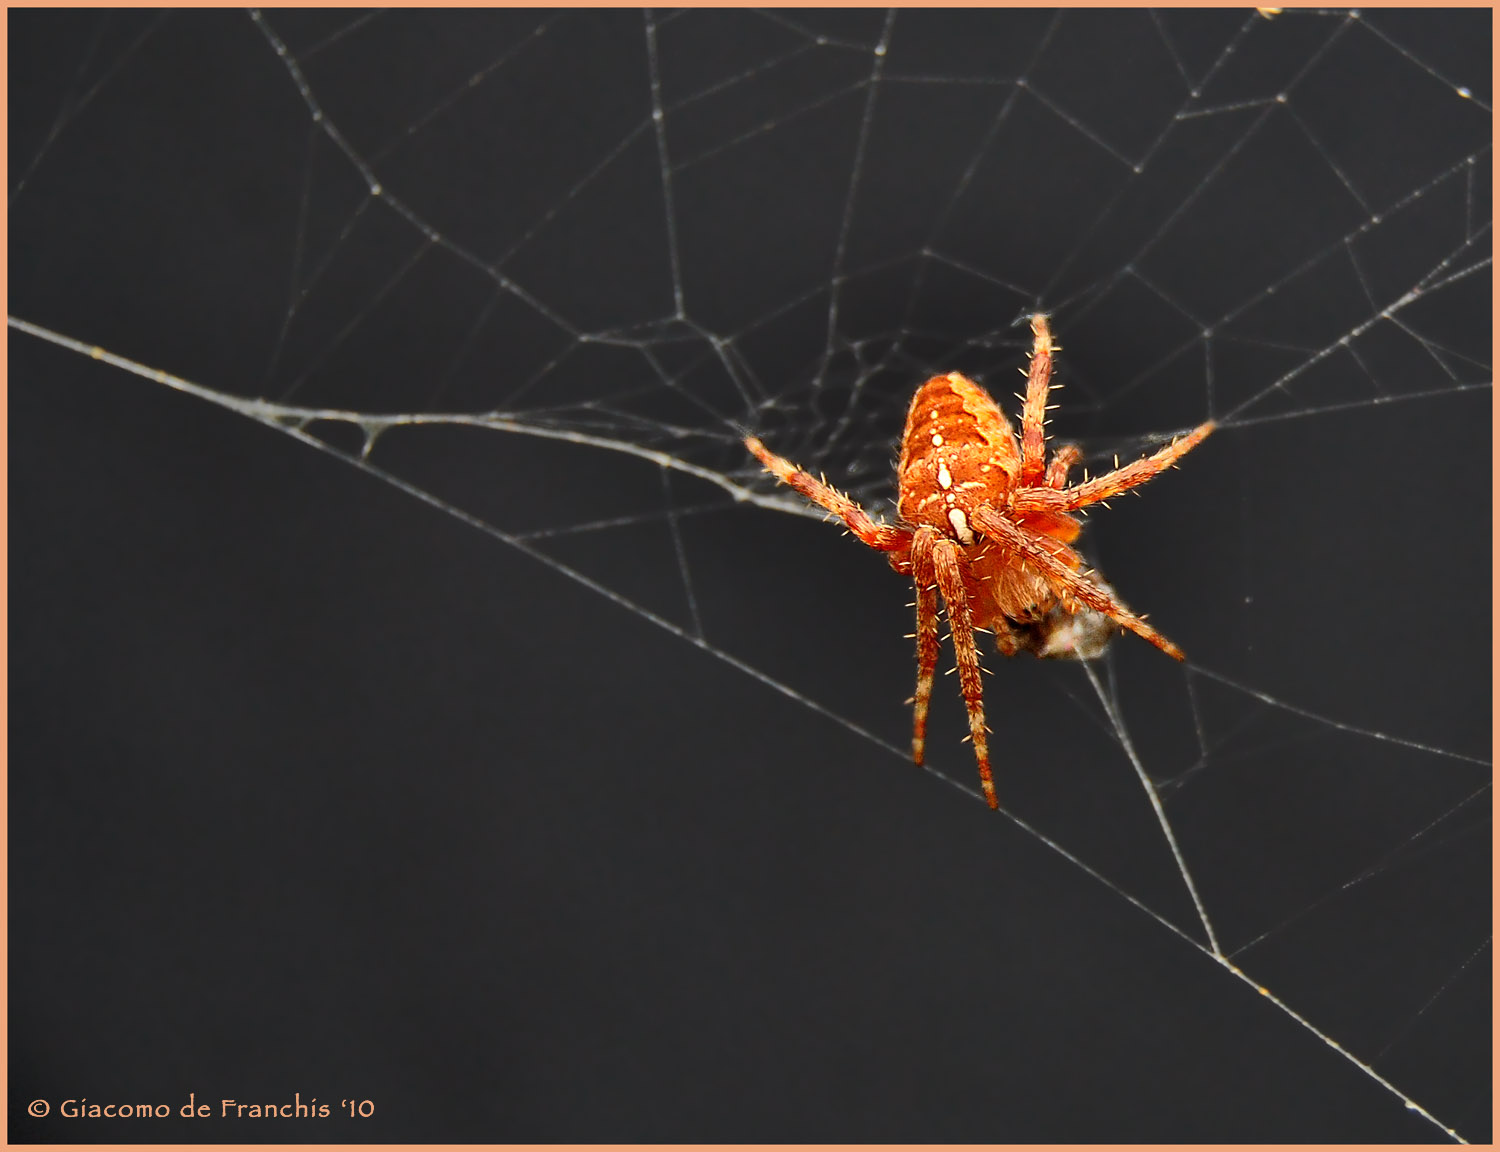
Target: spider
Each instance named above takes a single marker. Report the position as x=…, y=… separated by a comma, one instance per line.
x=988, y=524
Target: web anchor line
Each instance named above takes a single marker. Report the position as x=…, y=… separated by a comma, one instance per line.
x=1123, y=735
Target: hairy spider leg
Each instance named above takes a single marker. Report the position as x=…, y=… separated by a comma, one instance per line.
x=881, y=537
x=945, y=560
x=925, y=578
x=1034, y=415
x=1070, y=585
x=1122, y=479
x=1062, y=461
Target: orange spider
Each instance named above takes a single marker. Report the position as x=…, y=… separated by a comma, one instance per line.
x=988, y=525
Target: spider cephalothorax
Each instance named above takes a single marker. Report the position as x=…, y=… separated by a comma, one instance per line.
x=988, y=523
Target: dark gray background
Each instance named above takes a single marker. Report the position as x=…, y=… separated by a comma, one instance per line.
x=316, y=789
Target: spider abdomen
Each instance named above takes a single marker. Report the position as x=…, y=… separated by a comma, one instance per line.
x=958, y=451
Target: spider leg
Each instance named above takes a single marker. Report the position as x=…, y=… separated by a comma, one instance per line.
x=1034, y=415
x=1063, y=460
x=945, y=559
x=879, y=536
x=1072, y=585
x=927, y=638
x=1111, y=483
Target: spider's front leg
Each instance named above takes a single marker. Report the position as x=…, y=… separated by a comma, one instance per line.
x=1034, y=414
x=1122, y=479
x=881, y=537
x=1034, y=472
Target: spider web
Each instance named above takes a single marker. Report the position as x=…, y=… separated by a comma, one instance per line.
x=542, y=271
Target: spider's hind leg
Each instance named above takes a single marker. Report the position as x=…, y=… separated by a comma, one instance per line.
x=945, y=562
x=1073, y=588
x=925, y=579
